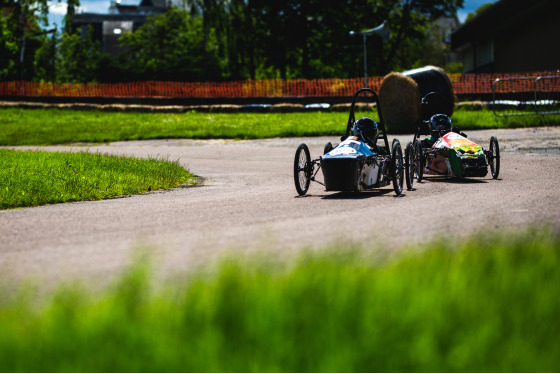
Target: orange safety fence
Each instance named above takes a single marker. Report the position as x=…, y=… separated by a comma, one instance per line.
x=462, y=84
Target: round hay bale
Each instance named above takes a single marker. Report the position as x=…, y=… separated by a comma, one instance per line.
x=401, y=95
x=400, y=99
x=433, y=79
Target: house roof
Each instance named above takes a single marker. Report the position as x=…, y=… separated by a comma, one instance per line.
x=501, y=16
x=154, y=3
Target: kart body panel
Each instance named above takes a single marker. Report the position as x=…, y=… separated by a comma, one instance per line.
x=353, y=166
x=454, y=155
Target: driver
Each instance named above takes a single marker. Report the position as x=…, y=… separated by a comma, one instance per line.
x=368, y=130
x=441, y=124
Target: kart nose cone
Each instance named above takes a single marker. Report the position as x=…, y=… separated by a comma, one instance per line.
x=341, y=174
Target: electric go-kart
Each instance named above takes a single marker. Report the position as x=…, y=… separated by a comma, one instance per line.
x=357, y=163
x=445, y=151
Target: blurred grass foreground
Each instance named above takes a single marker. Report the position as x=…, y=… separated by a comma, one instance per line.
x=488, y=304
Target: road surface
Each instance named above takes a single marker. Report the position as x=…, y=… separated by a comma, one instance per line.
x=247, y=205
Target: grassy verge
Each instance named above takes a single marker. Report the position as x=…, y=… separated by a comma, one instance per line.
x=31, y=178
x=489, y=304
x=57, y=126
x=485, y=119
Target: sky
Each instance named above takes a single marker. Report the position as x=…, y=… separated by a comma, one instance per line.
x=58, y=9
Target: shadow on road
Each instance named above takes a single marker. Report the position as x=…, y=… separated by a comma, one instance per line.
x=454, y=180
x=356, y=195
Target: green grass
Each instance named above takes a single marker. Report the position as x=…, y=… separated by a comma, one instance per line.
x=31, y=178
x=485, y=119
x=488, y=304
x=56, y=126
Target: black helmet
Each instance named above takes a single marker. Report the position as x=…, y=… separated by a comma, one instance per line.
x=441, y=123
x=367, y=129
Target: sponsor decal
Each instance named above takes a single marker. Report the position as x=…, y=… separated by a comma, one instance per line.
x=458, y=142
x=344, y=150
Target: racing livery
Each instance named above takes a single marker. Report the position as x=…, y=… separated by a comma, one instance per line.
x=446, y=151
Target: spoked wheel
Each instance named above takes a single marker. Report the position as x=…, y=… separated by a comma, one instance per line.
x=397, y=167
x=302, y=169
x=411, y=165
x=328, y=148
x=494, y=157
x=420, y=160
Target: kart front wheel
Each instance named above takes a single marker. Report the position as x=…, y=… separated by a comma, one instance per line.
x=397, y=167
x=494, y=157
x=411, y=164
x=420, y=160
x=302, y=169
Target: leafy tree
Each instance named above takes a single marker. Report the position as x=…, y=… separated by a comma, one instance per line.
x=172, y=47
x=19, y=31
x=9, y=47
x=78, y=58
x=409, y=21
x=310, y=38
x=479, y=10
x=71, y=6
x=230, y=39
x=44, y=63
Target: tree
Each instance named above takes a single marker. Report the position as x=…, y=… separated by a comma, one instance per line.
x=480, y=9
x=172, y=47
x=309, y=38
x=409, y=21
x=78, y=58
x=71, y=6
x=19, y=31
x=230, y=39
x=44, y=64
x=8, y=47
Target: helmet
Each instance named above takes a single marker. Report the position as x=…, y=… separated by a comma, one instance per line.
x=441, y=123
x=367, y=129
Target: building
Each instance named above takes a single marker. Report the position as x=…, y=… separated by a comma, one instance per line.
x=121, y=18
x=511, y=36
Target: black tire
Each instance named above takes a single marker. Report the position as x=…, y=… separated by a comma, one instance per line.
x=328, y=148
x=411, y=165
x=421, y=161
x=397, y=164
x=494, y=157
x=302, y=169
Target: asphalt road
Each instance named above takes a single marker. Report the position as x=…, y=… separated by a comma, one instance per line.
x=247, y=205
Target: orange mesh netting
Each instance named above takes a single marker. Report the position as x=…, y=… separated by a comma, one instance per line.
x=462, y=84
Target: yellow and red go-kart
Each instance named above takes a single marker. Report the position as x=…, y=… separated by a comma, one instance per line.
x=446, y=151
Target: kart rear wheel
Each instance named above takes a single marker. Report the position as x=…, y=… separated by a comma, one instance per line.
x=397, y=167
x=494, y=157
x=411, y=165
x=420, y=160
x=328, y=148
x=302, y=169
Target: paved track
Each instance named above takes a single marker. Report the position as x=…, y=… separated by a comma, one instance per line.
x=248, y=202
